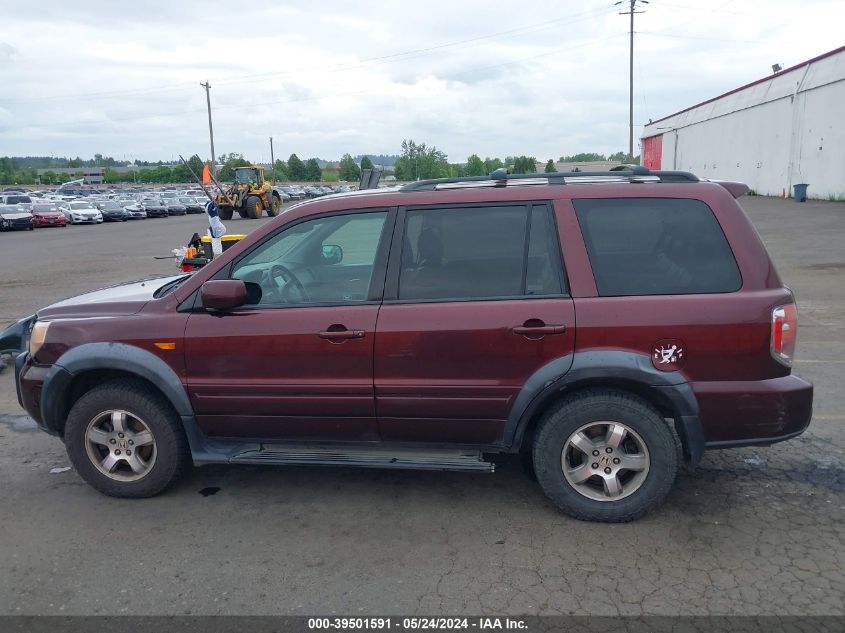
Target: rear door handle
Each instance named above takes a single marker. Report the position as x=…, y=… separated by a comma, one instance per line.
x=340, y=335
x=539, y=330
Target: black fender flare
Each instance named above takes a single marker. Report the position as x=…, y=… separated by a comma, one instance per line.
x=116, y=356
x=617, y=368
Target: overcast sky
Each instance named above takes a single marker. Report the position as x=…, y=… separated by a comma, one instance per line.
x=543, y=78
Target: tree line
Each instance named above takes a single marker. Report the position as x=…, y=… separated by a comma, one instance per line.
x=416, y=161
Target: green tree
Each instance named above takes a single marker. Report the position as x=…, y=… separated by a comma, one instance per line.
x=492, y=164
x=524, y=165
x=475, y=166
x=584, y=157
x=196, y=164
x=330, y=175
x=419, y=161
x=280, y=170
x=312, y=170
x=110, y=176
x=230, y=163
x=349, y=170
x=550, y=167
x=456, y=170
x=180, y=173
x=296, y=168
x=366, y=163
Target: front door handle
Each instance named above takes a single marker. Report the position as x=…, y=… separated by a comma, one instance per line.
x=340, y=333
x=538, y=328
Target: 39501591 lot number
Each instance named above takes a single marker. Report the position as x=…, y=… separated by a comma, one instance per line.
x=387, y=623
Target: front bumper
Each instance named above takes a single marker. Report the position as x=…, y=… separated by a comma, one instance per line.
x=753, y=413
x=17, y=225
x=58, y=221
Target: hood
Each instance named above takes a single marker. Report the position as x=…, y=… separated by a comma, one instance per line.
x=15, y=215
x=123, y=299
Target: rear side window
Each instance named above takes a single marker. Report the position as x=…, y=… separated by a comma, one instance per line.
x=656, y=246
x=479, y=253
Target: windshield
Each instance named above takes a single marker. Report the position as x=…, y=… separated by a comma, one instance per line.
x=187, y=200
x=245, y=176
x=111, y=206
x=170, y=287
x=44, y=208
x=79, y=205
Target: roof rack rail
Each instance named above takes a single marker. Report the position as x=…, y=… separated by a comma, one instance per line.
x=500, y=178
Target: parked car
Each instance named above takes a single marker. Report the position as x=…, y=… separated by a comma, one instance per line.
x=193, y=205
x=154, y=207
x=313, y=192
x=606, y=326
x=24, y=201
x=81, y=212
x=112, y=211
x=296, y=193
x=174, y=207
x=47, y=214
x=135, y=211
x=283, y=194
x=14, y=217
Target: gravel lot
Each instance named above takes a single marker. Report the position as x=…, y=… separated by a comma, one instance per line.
x=751, y=531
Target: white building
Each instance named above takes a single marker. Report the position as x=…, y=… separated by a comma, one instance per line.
x=782, y=130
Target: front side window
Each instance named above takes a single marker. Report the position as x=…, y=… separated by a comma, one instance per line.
x=656, y=246
x=479, y=253
x=326, y=260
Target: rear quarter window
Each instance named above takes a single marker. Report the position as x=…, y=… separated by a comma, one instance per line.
x=656, y=246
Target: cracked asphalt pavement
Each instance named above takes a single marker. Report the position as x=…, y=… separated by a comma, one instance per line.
x=751, y=531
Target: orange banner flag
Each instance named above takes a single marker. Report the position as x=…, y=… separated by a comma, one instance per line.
x=206, y=176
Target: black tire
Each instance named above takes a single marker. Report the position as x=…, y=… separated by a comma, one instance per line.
x=254, y=207
x=225, y=213
x=243, y=213
x=275, y=206
x=594, y=407
x=171, y=457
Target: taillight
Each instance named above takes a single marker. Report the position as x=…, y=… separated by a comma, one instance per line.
x=784, y=332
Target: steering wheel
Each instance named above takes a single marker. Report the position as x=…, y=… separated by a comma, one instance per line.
x=291, y=283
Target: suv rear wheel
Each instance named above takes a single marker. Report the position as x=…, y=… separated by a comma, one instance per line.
x=605, y=455
x=125, y=440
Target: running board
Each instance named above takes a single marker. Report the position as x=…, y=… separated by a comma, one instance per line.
x=364, y=457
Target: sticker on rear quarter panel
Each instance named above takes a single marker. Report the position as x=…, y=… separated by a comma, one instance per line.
x=668, y=354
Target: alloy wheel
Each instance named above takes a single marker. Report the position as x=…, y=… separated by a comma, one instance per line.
x=605, y=461
x=120, y=445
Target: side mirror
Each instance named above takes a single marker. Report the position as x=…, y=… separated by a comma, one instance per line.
x=332, y=254
x=223, y=294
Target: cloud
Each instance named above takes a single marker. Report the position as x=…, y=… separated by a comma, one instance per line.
x=549, y=79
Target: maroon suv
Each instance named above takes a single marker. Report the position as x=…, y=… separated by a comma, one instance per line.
x=604, y=325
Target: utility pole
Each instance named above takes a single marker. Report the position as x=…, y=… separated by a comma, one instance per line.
x=272, y=160
x=207, y=87
x=631, y=11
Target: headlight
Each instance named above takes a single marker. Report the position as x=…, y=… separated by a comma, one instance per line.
x=39, y=334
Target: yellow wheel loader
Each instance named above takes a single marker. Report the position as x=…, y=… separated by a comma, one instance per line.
x=250, y=195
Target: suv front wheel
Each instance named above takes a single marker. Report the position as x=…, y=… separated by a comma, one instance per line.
x=125, y=440
x=605, y=455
